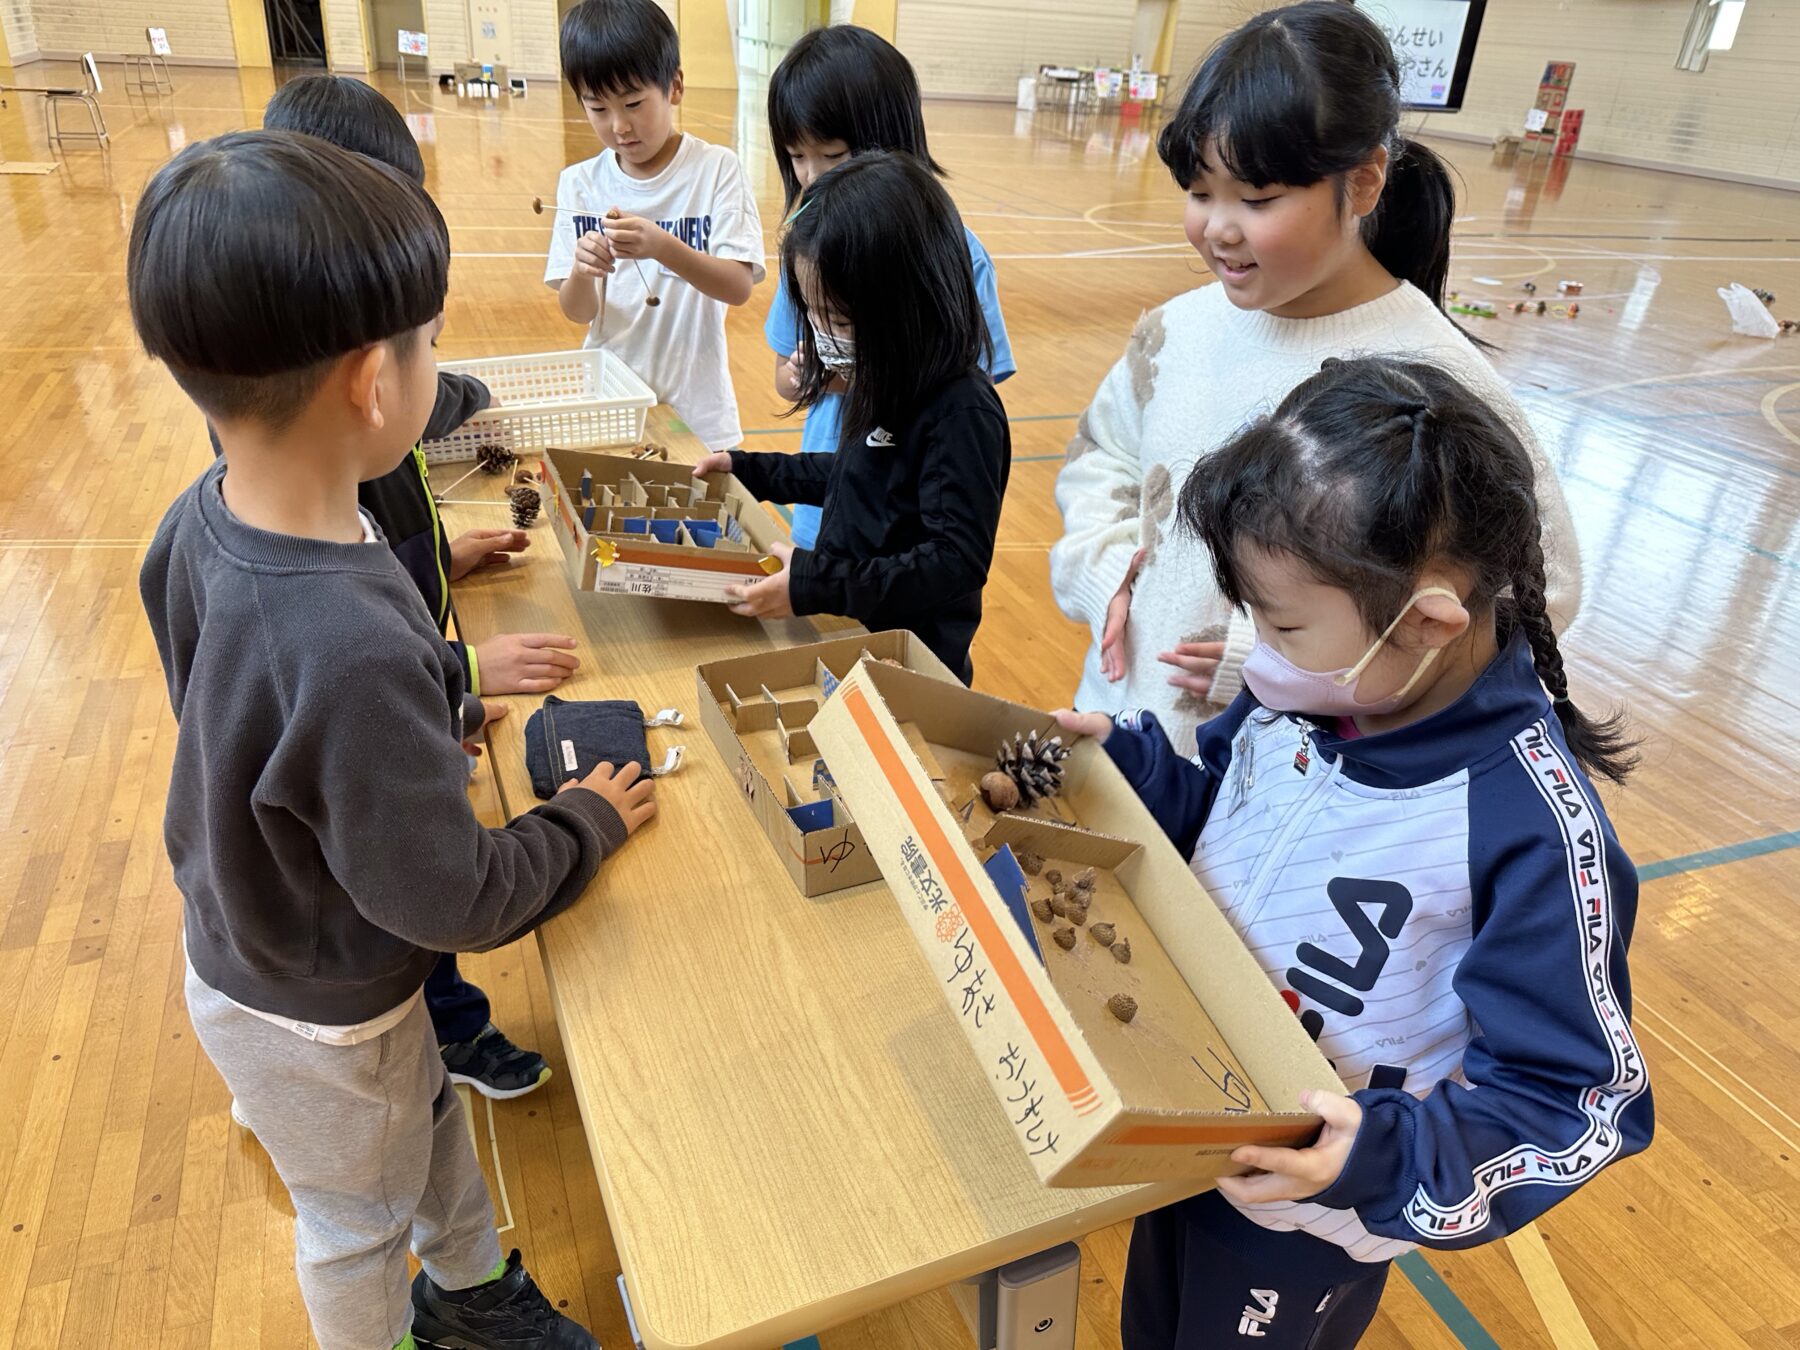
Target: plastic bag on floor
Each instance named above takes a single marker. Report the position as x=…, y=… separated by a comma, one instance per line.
x=1749, y=315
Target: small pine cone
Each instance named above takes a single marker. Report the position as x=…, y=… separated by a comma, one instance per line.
x=1121, y=951
x=1041, y=908
x=1035, y=765
x=1065, y=938
x=1104, y=933
x=525, y=505
x=1030, y=863
x=1122, y=1006
x=495, y=459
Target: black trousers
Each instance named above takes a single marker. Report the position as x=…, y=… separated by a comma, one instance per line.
x=1200, y=1276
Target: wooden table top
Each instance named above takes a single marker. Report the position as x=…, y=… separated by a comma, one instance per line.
x=788, y=1126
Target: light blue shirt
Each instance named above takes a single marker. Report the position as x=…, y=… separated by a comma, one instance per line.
x=819, y=434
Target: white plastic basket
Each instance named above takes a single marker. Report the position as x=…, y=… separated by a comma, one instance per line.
x=569, y=399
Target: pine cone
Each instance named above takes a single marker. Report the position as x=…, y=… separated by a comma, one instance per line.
x=495, y=459
x=1036, y=766
x=525, y=505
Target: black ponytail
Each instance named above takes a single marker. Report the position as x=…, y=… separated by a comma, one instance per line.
x=1368, y=472
x=1309, y=92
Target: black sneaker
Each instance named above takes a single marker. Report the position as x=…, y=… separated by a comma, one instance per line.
x=494, y=1066
x=511, y=1312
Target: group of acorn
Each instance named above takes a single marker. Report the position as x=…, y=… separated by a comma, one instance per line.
x=1069, y=900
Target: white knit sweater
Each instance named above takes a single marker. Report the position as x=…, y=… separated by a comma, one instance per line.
x=1195, y=372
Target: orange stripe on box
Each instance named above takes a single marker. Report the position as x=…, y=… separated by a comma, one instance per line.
x=1159, y=1136
x=626, y=553
x=1049, y=1038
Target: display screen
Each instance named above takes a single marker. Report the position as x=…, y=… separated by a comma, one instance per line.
x=1435, y=41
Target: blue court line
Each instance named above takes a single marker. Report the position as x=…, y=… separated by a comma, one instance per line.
x=1451, y=1310
x=1715, y=857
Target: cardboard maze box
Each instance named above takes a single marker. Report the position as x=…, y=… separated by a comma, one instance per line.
x=758, y=710
x=1211, y=1058
x=634, y=527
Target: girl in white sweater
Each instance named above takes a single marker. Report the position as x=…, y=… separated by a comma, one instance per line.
x=1330, y=234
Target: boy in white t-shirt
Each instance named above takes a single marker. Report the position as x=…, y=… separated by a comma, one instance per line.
x=659, y=232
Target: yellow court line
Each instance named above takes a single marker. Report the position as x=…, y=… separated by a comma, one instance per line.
x=1773, y=417
x=1555, y=1304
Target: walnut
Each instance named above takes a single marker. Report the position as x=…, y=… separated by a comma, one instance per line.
x=999, y=792
x=1121, y=951
x=1065, y=938
x=1121, y=1006
x=1103, y=933
x=1041, y=908
x=1030, y=863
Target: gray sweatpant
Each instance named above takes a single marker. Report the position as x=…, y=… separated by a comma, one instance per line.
x=371, y=1143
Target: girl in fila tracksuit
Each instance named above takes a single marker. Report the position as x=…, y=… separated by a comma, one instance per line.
x=1397, y=818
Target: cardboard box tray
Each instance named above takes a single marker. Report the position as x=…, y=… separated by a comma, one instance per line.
x=1213, y=1058
x=758, y=710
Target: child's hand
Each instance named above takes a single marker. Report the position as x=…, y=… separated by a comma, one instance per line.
x=719, y=461
x=1118, y=611
x=475, y=549
x=1097, y=725
x=787, y=376
x=635, y=237
x=1297, y=1173
x=628, y=791
x=593, y=255
x=525, y=663
x=490, y=714
x=1198, y=663
x=766, y=599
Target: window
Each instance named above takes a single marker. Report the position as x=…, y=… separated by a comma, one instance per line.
x=1713, y=28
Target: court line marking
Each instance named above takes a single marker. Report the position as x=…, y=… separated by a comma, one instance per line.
x=1451, y=1310
x=1742, y=1105
x=1544, y=1282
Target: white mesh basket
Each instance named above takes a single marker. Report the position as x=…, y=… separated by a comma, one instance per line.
x=567, y=399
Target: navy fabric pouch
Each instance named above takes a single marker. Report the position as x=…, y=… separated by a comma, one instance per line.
x=567, y=738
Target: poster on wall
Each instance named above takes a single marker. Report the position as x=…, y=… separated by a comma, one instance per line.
x=159, y=42
x=1434, y=41
x=414, y=44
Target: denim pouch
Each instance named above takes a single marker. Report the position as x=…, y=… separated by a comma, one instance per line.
x=566, y=739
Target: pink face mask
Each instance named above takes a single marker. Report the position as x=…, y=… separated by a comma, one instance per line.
x=1282, y=686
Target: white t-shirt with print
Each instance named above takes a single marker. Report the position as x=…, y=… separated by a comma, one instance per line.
x=702, y=198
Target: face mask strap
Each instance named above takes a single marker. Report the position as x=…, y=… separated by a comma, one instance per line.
x=1351, y=675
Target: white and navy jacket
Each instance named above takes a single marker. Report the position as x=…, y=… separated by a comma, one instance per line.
x=1447, y=909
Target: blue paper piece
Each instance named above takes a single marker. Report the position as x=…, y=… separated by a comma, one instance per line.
x=829, y=684
x=812, y=816
x=704, y=533
x=1009, y=879
x=635, y=525
x=667, y=531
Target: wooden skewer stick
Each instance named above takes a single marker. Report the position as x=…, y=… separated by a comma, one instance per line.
x=651, y=298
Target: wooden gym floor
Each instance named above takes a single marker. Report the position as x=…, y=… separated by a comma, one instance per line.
x=132, y=1213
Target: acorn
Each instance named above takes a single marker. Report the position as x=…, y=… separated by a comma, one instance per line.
x=1054, y=877
x=1065, y=938
x=1087, y=880
x=1030, y=863
x=1121, y=951
x=1104, y=933
x=1122, y=1006
x=1077, y=914
x=999, y=791
x=1041, y=908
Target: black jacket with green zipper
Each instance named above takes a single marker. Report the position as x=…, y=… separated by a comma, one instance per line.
x=401, y=506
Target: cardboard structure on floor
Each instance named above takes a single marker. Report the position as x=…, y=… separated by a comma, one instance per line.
x=634, y=527
x=1214, y=1058
x=758, y=710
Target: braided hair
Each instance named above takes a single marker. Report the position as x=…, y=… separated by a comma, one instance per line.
x=1370, y=470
